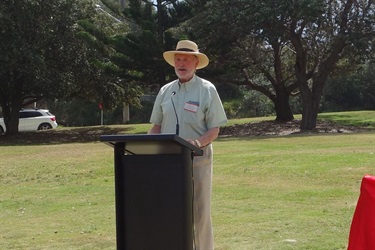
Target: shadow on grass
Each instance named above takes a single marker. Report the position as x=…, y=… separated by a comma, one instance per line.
x=59, y=136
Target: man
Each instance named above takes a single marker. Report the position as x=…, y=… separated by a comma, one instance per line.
x=200, y=114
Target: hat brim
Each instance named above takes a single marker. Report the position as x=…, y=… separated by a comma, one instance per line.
x=203, y=59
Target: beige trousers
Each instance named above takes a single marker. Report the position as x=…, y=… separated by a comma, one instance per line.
x=202, y=173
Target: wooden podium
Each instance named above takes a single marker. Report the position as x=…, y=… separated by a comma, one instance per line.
x=154, y=191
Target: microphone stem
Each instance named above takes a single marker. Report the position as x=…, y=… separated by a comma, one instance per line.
x=175, y=112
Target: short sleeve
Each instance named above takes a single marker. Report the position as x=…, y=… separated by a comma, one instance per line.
x=157, y=112
x=215, y=113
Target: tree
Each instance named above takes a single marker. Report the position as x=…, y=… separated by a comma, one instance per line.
x=338, y=29
x=102, y=33
x=144, y=46
x=38, y=53
x=138, y=57
x=44, y=55
x=280, y=47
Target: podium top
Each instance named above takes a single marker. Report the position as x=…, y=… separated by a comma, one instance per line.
x=151, y=143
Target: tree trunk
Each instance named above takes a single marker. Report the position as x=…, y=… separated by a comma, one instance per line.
x=280, y=99
x=309, y=115
x=282, y=108
x=311, y=102
x=125, y=113
x=14, y=106
x=12, y=126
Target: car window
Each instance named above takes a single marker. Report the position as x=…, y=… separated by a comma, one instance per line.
x=28, y=114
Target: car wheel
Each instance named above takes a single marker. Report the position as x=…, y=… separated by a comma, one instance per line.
x=44, y=126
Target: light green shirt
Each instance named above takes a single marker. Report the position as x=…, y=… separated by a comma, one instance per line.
x=198, y=107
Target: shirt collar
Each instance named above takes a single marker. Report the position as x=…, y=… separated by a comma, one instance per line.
x=189, y=84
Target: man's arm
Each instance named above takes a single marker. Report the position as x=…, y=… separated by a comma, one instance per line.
x=156, y=129
x=206, y=138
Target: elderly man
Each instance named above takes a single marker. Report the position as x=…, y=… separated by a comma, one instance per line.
x=200, y=114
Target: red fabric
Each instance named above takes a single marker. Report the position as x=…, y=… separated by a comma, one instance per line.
x=362, y=231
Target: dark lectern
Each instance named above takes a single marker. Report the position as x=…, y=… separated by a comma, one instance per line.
x=154, y=191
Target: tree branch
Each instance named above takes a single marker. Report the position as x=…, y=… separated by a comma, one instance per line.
x=256, y=87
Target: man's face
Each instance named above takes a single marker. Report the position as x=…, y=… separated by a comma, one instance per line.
x=185, y=66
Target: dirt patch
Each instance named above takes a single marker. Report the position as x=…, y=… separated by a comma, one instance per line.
x=55, y=136
x=273, y=128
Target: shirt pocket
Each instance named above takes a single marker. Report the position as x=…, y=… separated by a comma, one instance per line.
x=194, y=118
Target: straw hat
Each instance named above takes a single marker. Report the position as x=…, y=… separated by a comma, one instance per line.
x=189, y=48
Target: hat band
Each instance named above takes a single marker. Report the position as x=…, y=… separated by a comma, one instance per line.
x=183, y=49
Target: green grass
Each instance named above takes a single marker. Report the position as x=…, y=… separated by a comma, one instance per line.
x=57, y=197
x=292, y=192
x=358, y=118
x=295, y=192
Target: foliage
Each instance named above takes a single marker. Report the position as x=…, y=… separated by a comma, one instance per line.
x=135, y=56
x=368, y=92
x=351, y=92
x=101, y=32
x=42, y=57
x=29, y=48
x=75, y=112
x=277, y=47
x=78, y=112
x=144, y=46
x=240, y=103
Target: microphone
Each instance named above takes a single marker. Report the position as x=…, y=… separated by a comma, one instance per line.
x=174, y=108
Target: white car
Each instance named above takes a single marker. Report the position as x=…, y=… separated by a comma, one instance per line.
x=32, y=120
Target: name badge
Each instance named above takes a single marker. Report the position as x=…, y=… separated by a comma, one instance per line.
x=191, y=106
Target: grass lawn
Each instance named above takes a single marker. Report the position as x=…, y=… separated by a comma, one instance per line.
x=284, y=192
x=296, y=192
